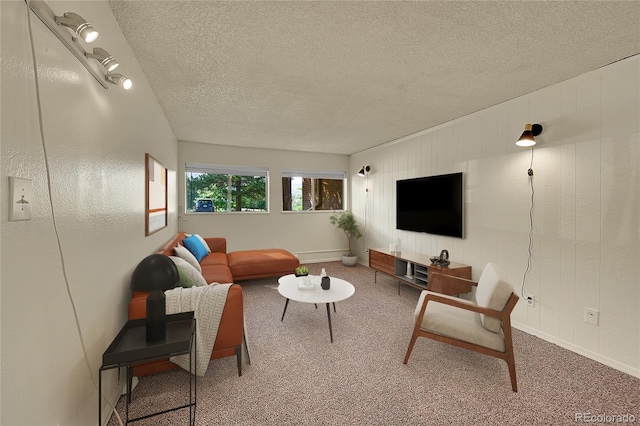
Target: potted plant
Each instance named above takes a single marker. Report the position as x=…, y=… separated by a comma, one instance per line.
x=301, y=271
x=347, y=222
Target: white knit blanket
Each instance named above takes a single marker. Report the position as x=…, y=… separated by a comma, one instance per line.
x=207, y=303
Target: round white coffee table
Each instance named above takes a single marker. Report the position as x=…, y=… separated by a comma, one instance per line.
x=339, y=290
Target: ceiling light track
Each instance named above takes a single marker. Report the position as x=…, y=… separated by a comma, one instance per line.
x=60, y=25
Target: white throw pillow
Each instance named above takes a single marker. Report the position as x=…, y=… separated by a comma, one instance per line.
x=185, y=254
x=196, y=276
x=204, y=243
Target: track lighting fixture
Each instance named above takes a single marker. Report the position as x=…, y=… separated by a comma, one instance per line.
x=79, y=25
x=364, y=170
x=529, y=134
x=81, y=28
x=119, y=80
x=105, y=59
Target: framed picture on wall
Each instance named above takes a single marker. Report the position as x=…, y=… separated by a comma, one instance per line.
x=156, y=195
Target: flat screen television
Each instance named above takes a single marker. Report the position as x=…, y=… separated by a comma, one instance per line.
x=431, y=204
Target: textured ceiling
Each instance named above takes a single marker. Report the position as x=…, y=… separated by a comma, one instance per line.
x=340, y=77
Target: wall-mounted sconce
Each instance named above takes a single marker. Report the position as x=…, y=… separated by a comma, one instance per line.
x=79, y=25
x=528, y=139
x=364, y=171
x=105, y=59
x=119, y=80
x=529, y=134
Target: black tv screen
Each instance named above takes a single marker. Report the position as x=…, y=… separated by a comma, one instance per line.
x=430, y=204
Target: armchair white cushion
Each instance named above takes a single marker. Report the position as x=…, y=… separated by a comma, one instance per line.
x=457, y=323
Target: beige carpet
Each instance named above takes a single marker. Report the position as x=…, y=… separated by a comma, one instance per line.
x=298, y=377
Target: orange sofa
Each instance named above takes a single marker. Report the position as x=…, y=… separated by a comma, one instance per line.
x=220, y=267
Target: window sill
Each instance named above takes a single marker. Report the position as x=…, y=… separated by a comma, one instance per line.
x=312, y=211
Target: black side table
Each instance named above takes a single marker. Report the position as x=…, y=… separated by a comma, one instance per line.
x=130, y=347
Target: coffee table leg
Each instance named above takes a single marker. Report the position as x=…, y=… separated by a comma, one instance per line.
x=329, y=316
x=285, y=309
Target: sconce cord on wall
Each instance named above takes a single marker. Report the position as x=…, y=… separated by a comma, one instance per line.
x=366, y=207
x=524, y=277
x=53, y=214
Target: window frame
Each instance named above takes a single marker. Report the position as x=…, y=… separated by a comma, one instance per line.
x=230, y=171
x=316, y=174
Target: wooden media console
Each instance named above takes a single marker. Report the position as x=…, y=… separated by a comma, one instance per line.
x=395, y=263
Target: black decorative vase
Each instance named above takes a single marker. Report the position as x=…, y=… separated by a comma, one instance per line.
x=326, y=283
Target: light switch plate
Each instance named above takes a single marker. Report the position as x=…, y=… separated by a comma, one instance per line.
x=20, y=202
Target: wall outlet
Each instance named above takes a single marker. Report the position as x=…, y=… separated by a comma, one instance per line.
x=531, y=300
x=591, y=316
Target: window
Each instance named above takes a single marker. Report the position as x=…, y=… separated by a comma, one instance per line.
x=219, y=188
x=309, y=191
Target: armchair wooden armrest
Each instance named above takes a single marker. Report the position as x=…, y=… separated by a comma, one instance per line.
x=449, y=284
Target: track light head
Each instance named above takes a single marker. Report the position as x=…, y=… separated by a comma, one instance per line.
x=79, y=25
x=105, y=59
x=528, y=136
x=119, y=80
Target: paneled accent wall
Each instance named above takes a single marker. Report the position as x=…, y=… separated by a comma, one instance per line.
x=586, y=204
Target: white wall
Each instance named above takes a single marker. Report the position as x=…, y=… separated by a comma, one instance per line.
x=309, y=235
x=586, y=239
x=96, y=141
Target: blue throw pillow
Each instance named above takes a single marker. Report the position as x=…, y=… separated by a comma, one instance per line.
x=195, y=246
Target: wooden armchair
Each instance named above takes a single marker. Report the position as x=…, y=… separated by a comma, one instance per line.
x=483, y=327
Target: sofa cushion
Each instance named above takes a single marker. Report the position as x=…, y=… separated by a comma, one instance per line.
x=493, y=292
x=197, y=278
x=220, y=274
x=249, y=264
x=196, y=247
x=185, y=254
x=214, y=259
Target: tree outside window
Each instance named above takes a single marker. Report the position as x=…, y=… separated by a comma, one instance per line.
x=312, y=191
x=216, y=188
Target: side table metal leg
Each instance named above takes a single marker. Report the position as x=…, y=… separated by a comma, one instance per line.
x=129, y=382
x=128, y=400
x=329, y=317
x=195, y=381
x=285, y=309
